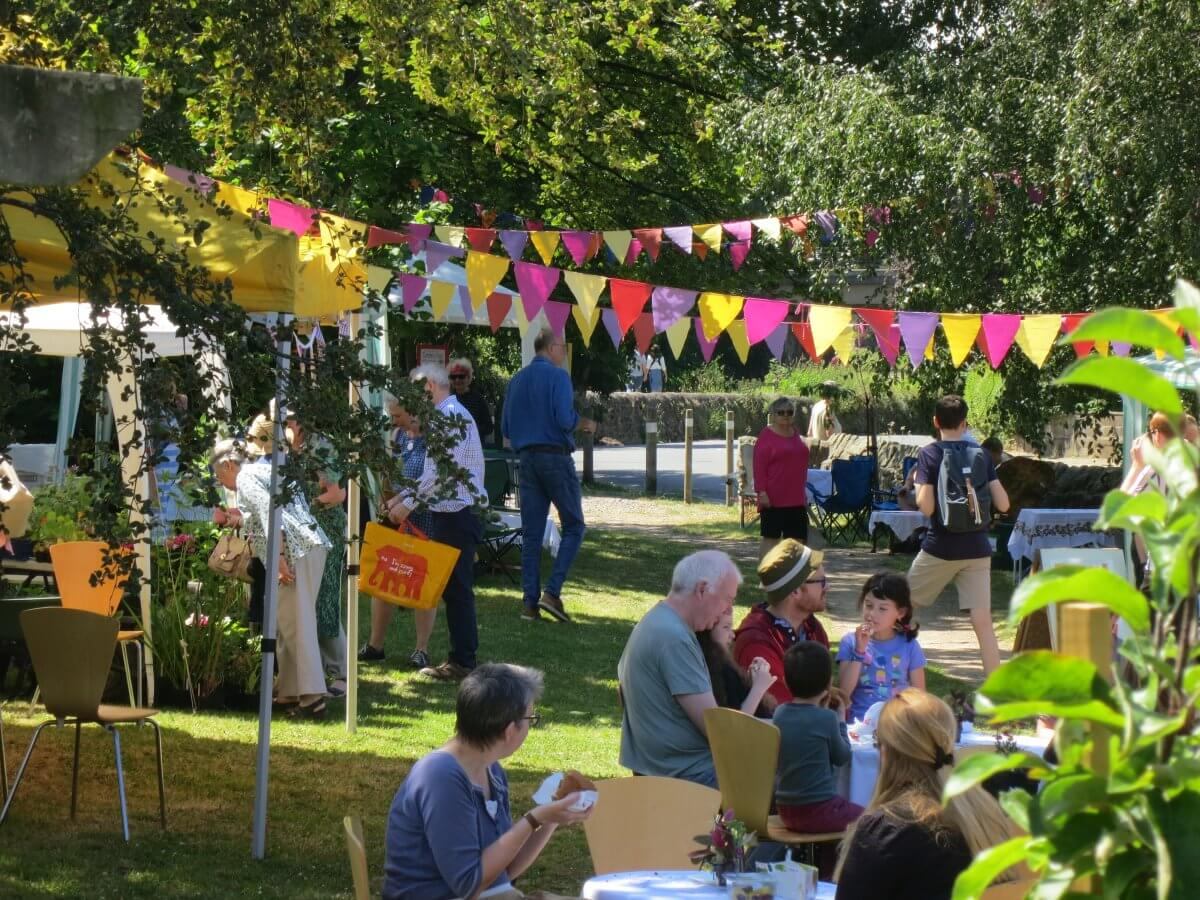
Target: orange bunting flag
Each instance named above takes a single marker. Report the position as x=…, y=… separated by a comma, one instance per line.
x=643, y=331
x=628, y=300
x=803, y=333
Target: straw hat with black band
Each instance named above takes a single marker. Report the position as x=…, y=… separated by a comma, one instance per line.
x=786, y=567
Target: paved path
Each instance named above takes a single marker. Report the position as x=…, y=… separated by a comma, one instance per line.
x=626, y=467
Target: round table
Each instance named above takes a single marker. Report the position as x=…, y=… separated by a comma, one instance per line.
x=667, y=884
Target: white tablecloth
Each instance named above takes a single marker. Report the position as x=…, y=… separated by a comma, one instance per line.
x=822, y=480
x=550, y=540
x=1038, y=529
x=903, y=522
x=856, y=782
x=666, y=885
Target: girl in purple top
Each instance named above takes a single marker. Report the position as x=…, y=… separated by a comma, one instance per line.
x=881, y=657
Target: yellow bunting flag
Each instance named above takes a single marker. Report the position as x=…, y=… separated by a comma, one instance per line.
x=737, y=336
x=677, y=335
x=1102, y=348
x=618, y=243
x=519, y=312
x=828, y=322
x=961, y=330
x=586, y=324
x=1036, y=337
x=586, y=288
x=843, y=345
x=717, y=311
x=769, y=227
x=1164, y=316
x=378, y=278
x=450, y=234
x=441, y=295
x=710, y=234
x=244, y=201
x=484, y=272
x=546, y=243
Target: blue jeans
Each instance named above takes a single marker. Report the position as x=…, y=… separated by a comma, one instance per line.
x=463, y=530
x=548, y=478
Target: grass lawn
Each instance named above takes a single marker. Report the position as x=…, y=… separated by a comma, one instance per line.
x=319, y=772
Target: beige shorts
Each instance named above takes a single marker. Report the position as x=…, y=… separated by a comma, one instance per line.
x=929, y=576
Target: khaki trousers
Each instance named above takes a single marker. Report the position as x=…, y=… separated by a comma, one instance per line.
x=301, y=674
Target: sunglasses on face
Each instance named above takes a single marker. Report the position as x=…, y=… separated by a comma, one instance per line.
x=785, y=412
x=458, y=377
x=820, y=581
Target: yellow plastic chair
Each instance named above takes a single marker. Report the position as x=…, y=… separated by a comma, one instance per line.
x=745, y=753
x=71, y=651
x=75, y=562
x=356, y=849
x=648, y=822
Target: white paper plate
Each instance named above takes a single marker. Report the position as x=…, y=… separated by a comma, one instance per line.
x=545, y=793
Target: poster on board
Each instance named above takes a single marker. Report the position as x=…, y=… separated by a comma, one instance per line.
x=432, y=353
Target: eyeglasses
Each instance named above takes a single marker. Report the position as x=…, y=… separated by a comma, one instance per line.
x=460, y=377
x=821, y=581
x=533, y=720
x=785, y=412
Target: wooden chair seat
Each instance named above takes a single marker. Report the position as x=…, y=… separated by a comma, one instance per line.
x=112, y=715
x=781, y=834
x=131, y=635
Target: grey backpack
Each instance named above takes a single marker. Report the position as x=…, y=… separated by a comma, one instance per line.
x=963, y=498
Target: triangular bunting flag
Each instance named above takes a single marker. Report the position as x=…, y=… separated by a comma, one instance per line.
x=628, y=300
x=378, y=278
x=498, y=306
x=738, y=251
x=557, y=314
x=464, y=300
x=450, y=234
x=1070, y=323
x=1102, y=348
x=739, y=231
x=803, y=333
x=535, y=284
x=668, y=304
x=999, y=332
x=651, y=240
x=887, y=333
x=618, y=242
x=596, y=245
x=609, y=318
x=522, y=321
x=843, y=345
x=763, y=317
x=1119, y=348
x=634, y=251
x=798, y=225
x=827, y=323
x=777, y=340
x=441, y=293
x=481, y=239
x=677, y=335
x=514, y=243
x=768, y=226
x=413, y=287
x=437, y=253
x=737, y=337
x=546, y=242
x=483, y=275
x=643, y=331
x=418, y=233
x=291, y=216
x=378, y=237
x=587, y=324
x=586, y=288
x=711, y=235
x=717, y=311
x=1036, y=337
x=578, y=244
x=917, y=329
x=680, y=236
x=961, y=330
x=701, y=250
x=706, y=346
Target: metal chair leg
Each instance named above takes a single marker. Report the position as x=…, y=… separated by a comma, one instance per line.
x=3, y=757
x=75, y=771
x=162, y=788
x=37, y=692
x=128, y=675
x=21, y=771
x=141, y=671
x=120, y=782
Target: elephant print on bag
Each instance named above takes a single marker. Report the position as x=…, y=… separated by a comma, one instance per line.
x=399, y=573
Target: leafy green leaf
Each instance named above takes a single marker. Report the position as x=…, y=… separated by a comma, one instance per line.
x=1093, y=584
x=978, y=767
x=1121, y=510
x=1128, y=378
x=1069, y=795
x=988, y=865
x=1135, y=326
x=1044, y=683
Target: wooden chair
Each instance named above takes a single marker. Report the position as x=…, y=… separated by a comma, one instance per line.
x=747, y=494
x=1011, y=890
x=71, y=651
x=648, y=822
x=75, y=562
x=745, y=753
x=356, y=849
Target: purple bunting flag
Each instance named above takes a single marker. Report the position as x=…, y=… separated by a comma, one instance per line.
x=681, y=237
x=557, y=314
x=437, y=253
x=917, y=329
x=514, y=243
x=739, y=231
x=464, y=298
x=706, y=346
x=777, y=340
x=609, y=318
x=669, y=304
x=413, y=287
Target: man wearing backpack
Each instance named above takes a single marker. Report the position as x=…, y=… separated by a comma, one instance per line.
x=957, y=489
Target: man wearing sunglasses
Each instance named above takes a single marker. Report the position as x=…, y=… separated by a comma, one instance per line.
x=462, y=379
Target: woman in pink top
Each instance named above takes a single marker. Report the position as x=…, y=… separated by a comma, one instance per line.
x=781, y=477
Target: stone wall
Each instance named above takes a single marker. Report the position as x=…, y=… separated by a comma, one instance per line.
x=1071, y=436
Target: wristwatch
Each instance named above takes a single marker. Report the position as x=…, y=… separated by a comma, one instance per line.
x=532, y=820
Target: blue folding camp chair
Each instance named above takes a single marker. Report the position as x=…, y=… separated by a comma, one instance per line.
x=842, y=515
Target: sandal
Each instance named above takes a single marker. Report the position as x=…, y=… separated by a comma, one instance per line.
x=314, y=710
x=336, y=689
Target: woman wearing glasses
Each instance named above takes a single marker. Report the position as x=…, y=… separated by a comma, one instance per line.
x=450, y=832
x=781, y=478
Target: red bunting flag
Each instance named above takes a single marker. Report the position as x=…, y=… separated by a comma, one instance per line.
x=643, y=331
x=628, y=300
x=1070, y=323
x=498, y=306
x=651, y=240
x=377, y=237
x=803, y=333
x=738, y=251
x=481, y=239
x=797, y=224
x=887, y=334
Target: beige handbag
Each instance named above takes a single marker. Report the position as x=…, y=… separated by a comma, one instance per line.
x=18, y=502
x=231, y=557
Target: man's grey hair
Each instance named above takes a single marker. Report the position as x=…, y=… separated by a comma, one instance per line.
x=229, y=450
x=389, y=400
x=544, y=339
x=433, y=373
x=702, y=567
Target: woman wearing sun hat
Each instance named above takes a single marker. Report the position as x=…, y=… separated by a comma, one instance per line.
x=793, y=577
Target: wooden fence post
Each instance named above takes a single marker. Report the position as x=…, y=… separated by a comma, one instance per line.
x=729, y=429
x=651, y=458
x=687, y=455
x=589, y=470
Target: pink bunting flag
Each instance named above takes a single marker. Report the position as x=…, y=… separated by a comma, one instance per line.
x=887, y=333
x=557, y=314
x=998, y=333
x=680, y=236
x=706, y=346
x=739, y=231
x=291, y=217
x=418, y=232
x=634, y=251
x=195, y=181
x=776, y=340
x=413, y=287
x=609, y=318
x=534, y=284
x=738, y=251
x=464, y=299
x=871, y=237
x=917, y=329
x=669, y=304
x=437, y=253
x=578, y=243
x=514, y=243
x=763, y=317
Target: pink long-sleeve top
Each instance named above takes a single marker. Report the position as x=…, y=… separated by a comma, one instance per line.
x=781, y=468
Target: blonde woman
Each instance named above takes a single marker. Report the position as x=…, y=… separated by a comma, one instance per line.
x=907, y=846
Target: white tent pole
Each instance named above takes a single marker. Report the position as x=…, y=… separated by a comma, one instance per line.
x=271, y=596
x=352, y=517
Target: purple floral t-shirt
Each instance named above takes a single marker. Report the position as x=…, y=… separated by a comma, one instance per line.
x=884, y=674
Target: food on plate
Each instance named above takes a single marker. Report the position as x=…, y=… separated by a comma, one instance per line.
x=571, y=782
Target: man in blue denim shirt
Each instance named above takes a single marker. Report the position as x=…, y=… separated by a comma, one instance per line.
x=539, y=422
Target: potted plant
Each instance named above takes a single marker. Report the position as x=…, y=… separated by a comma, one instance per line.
x=60, y=513
x=724, y=849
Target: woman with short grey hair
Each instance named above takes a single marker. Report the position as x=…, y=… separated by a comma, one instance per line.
x=450, y=831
